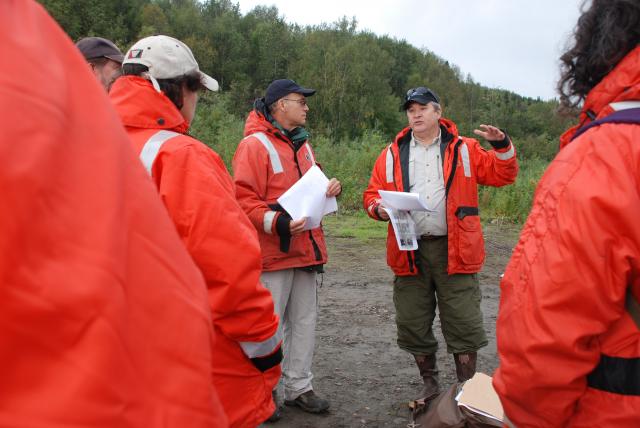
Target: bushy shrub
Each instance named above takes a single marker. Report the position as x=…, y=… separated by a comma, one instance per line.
x=512, y=203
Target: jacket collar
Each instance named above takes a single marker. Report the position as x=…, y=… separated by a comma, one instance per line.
x=259, y=121
x=139, y=105
x=621, y=84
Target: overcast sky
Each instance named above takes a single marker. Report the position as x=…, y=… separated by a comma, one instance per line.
x=508, y=44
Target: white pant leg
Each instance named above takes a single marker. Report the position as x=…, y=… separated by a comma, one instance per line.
x=279, y=283
x=301, y=323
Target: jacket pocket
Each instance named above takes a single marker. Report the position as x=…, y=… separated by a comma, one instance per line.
x=470, y=239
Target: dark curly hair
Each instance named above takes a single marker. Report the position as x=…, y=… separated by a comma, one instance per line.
x=605, y=33
x=172, y=88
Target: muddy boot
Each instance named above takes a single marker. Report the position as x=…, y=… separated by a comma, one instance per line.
x=427, y=366
x=309, y=402
x=465, y=365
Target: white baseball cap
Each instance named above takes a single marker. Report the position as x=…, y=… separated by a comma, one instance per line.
x=167, y=58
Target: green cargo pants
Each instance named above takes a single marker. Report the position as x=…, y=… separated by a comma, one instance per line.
x=456, y=296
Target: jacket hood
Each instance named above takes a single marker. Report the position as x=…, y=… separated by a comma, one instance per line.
x=621, y=84
x=258, y=120
x=446, y=125
x=139, y=105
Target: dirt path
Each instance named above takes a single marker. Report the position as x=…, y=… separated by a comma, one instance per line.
x=357, y=364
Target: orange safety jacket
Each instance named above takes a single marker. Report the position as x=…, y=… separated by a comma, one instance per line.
x=266, y=164
x=465, y=164
x=104, y=319
x=569, y=351
x=198, y=192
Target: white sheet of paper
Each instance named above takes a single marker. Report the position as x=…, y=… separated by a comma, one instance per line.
x=403, y=201
x=404, y=228
x=307, y=198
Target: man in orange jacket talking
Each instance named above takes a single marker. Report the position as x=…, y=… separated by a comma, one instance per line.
x=429, y=158
x=156, y=99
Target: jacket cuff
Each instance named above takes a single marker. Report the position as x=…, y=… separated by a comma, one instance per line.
x=269, y=221
x=374, y=209
x=502, y=144
x=268, y=361
x=282, y=224
x=266, y=354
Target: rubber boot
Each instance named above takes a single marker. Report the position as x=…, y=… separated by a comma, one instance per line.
x=427, y=366
x=465, y=365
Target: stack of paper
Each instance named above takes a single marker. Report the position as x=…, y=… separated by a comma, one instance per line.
x=402, y=201
x=479, y=396
x=307, y=198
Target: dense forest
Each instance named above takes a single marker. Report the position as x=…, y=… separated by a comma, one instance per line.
x=361, y=79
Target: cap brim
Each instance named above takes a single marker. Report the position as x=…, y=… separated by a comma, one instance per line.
x=116, y=58
x=306, y=92
x=209, y=82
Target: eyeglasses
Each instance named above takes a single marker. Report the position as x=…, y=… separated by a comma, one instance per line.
x=420, y=91
x=301, y=101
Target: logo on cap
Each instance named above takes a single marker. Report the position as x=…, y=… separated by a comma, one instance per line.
x=135, y=53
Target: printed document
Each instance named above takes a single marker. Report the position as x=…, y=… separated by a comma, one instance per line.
x=307, y=198
x=398, y=205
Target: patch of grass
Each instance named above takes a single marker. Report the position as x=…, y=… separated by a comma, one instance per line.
x=512, y=203
x=354, y=225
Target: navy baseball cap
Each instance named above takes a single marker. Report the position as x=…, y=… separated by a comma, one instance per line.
x=97, y=47
x=283, y=87
x=420, y=95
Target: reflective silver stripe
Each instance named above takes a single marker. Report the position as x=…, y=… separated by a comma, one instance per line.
x=506, y=155
x=625, y=105
x=268, y=221
x=152, y=147
x=389, y=166
x=311, y=157
x=261, y=349
x=276, y=165
x=466, y=165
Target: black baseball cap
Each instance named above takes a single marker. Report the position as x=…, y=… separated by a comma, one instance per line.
x=420, y=95
x=283, y=87
x=97, y=47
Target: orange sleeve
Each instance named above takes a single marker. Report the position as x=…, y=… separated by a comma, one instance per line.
x=496, y=167
x=565, y=284
x=198, y=192
x=371, y=197
x=250, y=174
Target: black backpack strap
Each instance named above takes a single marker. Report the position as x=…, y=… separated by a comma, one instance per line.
x=631, y=115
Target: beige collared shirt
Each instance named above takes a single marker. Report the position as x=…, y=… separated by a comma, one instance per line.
x=426, y=177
